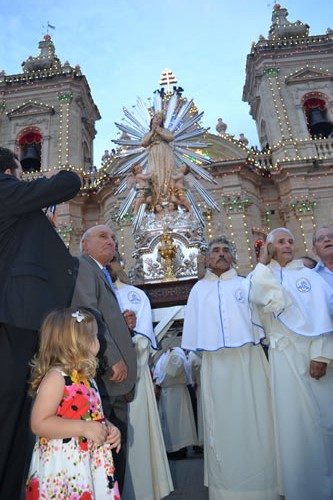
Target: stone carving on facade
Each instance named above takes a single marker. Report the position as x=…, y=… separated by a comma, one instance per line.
x=285, y=213
x=45, y=61
x=30, y=109
x=308, y=75
x=244, y=140
x=303, y=205
x=282, y=27
x=221, y=127
x=235, y=203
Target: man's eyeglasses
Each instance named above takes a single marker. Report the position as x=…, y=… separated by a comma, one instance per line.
x=321, y=237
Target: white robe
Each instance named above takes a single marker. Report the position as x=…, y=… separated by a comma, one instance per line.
x=239, y=446
x=303, y=406
x=175, y=407
x=147, y=473
x=133, y=298
x=221, y=303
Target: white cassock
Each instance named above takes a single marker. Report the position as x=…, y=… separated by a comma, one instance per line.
x=175, y=407
x=147, y=473
x=239, y=443
x=293, y=305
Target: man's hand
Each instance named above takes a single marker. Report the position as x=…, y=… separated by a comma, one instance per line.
x=130, y=318
x=266, y=253
x=317, y=369
x=119, y=370
x=52, y=172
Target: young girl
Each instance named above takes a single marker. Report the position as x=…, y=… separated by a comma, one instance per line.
x=72, y=458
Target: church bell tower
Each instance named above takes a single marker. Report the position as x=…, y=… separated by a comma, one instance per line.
x=289, y=86
x=47, y=114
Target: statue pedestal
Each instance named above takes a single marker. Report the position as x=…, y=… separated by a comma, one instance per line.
x=167, y=294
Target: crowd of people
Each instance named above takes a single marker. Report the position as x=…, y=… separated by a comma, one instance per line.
x=75, y=343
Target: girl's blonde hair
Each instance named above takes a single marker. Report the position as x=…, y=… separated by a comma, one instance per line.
x=65, y=341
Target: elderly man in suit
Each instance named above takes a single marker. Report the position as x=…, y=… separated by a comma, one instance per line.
x=37, y=274
x=94, y=289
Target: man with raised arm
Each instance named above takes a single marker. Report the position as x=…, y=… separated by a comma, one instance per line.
x=37, y=274
x=293, y=303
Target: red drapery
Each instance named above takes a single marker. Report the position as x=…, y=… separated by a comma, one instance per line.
x=30, y=138
x=313, y=103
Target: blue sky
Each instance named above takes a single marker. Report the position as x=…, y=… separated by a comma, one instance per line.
x=123, y=46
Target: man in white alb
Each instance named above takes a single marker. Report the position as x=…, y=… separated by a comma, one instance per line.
x=239, y=450
x=293, y=303
x=172, y=375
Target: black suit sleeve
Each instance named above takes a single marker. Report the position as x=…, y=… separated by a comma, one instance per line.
x=22, y=197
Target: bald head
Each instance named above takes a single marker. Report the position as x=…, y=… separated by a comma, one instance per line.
x=99, y=242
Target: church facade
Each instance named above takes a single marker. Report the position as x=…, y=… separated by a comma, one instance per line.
x=47, y=114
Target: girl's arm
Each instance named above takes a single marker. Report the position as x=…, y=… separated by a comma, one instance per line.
x=45, y=422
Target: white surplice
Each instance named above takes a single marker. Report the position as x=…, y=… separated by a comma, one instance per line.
x=239, y=442
x=147, y=473
x=303, y=406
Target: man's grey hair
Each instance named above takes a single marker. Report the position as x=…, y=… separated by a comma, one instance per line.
x=84, y=237
x=271, y=234
x=224, y=241
x=86, y=234
x=322, y=226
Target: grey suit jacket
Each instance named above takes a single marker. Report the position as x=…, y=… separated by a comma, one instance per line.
x=92, y=290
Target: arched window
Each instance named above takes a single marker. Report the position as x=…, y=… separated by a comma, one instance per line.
x=317, y=115
x=30, y=146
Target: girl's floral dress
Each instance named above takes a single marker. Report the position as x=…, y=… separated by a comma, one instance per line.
x=73, y=468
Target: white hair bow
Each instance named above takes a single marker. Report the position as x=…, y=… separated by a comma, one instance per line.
x=78, y=316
